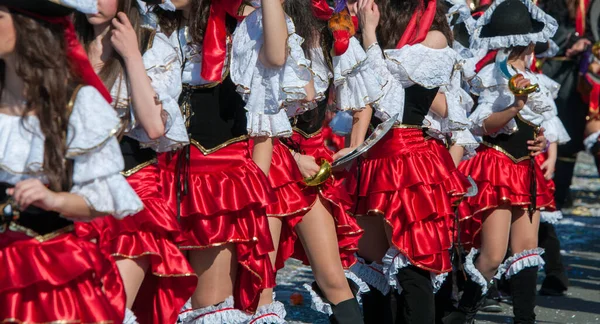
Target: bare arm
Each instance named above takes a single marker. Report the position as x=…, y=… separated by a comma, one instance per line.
x=457, y=152
x=274, y=50
x=360, y=124
x=439, y=106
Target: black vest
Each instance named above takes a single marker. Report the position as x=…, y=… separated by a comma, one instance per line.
x=417, y=101
x=514, y=145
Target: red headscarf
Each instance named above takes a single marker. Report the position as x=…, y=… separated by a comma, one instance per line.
x=214, y=47
x=419, y=24
x=76, y=54
x=321, y=9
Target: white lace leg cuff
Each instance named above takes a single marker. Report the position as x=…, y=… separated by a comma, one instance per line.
x=520, y=261
x=393, y=261
x=273, y=313
x=224, y=312
x=589, y=141
x=372, y=274
x=473, y=273
x=129, y=317
x=551, y=217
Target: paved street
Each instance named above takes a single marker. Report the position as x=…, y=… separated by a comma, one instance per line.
x=580, y=236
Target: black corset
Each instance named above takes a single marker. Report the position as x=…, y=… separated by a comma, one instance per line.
x=214, y=115
x=40, y=221
x=417, y=101
x=133, y=155
x=514, y=145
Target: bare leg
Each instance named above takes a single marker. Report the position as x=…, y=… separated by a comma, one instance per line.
x=374, y=242
x=524, y=231
x=495, y=232
x=275, y=223
x=216, y=268
x=132, y=272
x=318, y=236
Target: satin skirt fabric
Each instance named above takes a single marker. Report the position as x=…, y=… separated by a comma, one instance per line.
x=500, y=181
x=404, y=180
x=63, y=280
x=457, y=184
x=152, y=233
x=225, y=203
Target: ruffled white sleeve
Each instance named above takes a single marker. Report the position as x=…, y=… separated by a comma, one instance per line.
x=492, y=100
x=465, y=139
x=459, y=104
x=97, y=157
x=356, y=84
x=164, y=70
x=554, y=130
x=392, y=101
x=266, y=90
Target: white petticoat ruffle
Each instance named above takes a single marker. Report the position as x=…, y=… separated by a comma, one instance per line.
x=267, y=90
x=589, y=141
x=224, y=312
x=392, y=102
x=97, y=159
x=356, y=84
x=319, y=305
x=130, y=317
x=273, y=313
x=473, y=273
x=496, y=42
x=551, y=217
x=371, y=274
x=394, y=260
x=520, y=261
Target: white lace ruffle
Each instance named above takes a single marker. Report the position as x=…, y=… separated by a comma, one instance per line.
x=267, y=90
x=459, y=104
x=356, y=84
x=551, y=217
x=372, y=274
x=473, y=273
x=554, y=130
x=394, y=260
x=466, y=139
x=321, y=76
x=260, y=124
x=92, y=146
x=460, y=8
x=164, y=70
x=129, y=317
x=496, y=42
x=392, y=102
x=221, y=313
x=588, y=142
x=520, y=261
x=319, y=305
x=422, y=65
x=273, y=313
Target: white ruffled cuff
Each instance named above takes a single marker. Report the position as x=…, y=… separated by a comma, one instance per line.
x=110, y=195
x=356, y=85
x=260, y=124
x=459, y=103
x=372, y=274
x=473, y=273
x=273, y=313
x=520, y=261
x=465, y=139
x=551, y=217
x=590, y=141
x=224, y=312
x=319, y=305
x=496, y=42
x=555, y=131
x=267, y=90
x=394, y=260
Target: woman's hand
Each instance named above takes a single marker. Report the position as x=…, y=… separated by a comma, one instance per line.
x=368, y=16
x=34, y=192
x=548, y=167
x=307, y=165
x=579, y=47
x=520, y=101
x=123, y=38
x=538, y=145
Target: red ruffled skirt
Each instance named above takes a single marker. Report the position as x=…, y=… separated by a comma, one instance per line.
x=225, y=203
x=499, y=181
x=153, y=232
x=457, y=184
x=339, y=203
x=404, y=180
x=62, y=280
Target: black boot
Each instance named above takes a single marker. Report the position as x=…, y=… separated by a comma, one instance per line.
x=523, y=288
x=346, y=312
x=416, y=303
x=377, y=308
x=556, y=281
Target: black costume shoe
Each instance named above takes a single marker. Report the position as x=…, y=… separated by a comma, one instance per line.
x=553, y=286
x=523, y=289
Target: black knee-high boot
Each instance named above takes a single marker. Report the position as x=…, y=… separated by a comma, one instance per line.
x=523, y=289
x=345, y=312
x=377, y=307
x=416, y=301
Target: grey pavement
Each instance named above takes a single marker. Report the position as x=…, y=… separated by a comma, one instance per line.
x=579, y=232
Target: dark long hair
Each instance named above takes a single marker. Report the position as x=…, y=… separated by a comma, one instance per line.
x=170, y=21
x=314, y=31
x=41, y=62
x=395, y=15
x=115, y=65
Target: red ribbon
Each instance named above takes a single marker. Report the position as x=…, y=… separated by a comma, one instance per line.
x=490, y=56
x=214, y=46
x=485, y=3
x=321, y=9
x=419, y=25
x=76, y=54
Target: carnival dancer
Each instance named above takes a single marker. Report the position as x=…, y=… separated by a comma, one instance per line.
x=59, y=162
x=403, y=200
x=219, y=190
x=143, y=71
x=510, y=192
